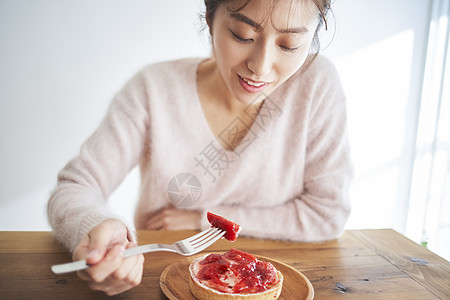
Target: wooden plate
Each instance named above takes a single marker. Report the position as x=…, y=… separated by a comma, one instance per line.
x=174, y=280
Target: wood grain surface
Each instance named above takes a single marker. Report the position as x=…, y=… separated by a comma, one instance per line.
x=361, y=264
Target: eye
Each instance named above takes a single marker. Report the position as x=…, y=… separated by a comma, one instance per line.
x=287, y=49
x=240, y=39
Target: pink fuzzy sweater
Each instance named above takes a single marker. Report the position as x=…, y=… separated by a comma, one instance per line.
x=288, y=178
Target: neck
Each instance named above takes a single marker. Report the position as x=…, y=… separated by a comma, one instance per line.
x=215, y=89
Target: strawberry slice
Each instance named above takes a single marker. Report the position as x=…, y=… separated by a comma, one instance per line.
x=231, y=229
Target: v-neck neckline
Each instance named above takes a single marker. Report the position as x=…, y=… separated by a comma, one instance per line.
x=207, y=127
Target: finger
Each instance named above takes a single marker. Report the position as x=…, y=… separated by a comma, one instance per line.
x=111, y=262
x=137, y=272
x=82, y=249
x=168, y=218
x=131, y=270
x=135, y=275
x=128, y=284
x=112, y=286
x=156, y=223
x=83, y=274
x=98, y=246
x=128, y=264
x=151, y=225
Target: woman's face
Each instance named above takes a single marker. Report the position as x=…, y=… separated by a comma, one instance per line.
x=254, y=59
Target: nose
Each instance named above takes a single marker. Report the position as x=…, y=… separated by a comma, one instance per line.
x=260, y=61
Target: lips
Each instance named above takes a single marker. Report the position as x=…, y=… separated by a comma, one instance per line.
x=253, y=83
x=252, y=86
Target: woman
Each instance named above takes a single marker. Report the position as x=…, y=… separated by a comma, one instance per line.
x=256, y=133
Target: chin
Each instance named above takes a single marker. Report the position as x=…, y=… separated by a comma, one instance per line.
x=252, y=98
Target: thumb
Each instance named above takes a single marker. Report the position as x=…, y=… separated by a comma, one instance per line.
x=98, y=246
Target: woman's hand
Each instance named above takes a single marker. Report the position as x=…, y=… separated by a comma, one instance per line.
x=175, y=219
x=103, y=248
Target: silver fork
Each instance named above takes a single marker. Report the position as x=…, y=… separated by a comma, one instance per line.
x=189, y=246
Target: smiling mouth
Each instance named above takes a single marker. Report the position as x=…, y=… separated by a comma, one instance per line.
x=253, y=83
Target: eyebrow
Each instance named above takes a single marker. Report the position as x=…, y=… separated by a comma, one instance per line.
x=241, y=18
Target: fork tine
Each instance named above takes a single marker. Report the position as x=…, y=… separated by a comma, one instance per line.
x=206, y=243
x=201, y=234
x=206, y=237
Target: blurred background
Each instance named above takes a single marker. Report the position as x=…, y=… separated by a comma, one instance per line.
x=62, y=61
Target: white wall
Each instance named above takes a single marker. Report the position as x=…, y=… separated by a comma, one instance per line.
x=380, y=50
x=62, y=61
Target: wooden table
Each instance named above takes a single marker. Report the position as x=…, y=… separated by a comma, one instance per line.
x=362, y=264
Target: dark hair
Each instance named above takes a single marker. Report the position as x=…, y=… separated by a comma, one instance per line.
x=323, y=7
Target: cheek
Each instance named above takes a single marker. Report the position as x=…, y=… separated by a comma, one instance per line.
x=288, y=66
x=226, y=53
x=290, y=63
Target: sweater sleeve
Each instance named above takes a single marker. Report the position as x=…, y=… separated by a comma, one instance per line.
x=78, y=203
x=322, y=209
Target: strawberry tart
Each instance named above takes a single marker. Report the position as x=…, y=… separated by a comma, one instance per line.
x=234, y=275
